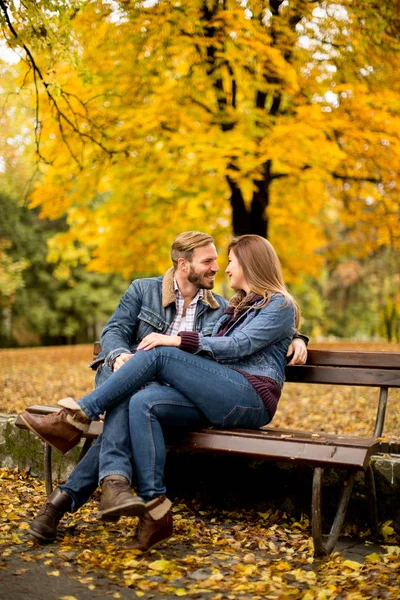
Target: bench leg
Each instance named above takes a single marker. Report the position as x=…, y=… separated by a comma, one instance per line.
x=47, y=469
x=321, y=547
x=373, y=506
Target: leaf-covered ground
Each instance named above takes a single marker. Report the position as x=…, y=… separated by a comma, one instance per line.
x=43, y=375
x=212, y=555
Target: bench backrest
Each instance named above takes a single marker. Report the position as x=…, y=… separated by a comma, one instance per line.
x=349, y=367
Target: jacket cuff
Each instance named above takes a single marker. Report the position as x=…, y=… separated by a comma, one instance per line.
x=301, y=336
x=189, y=341
x=111, y=356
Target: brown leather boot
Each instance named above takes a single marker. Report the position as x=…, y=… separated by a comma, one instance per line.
x=117, y=499
x=154, y=527
x=44, y=525
x=61, y=430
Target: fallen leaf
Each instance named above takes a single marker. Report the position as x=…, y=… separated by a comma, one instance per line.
x=352, y=564
x=161, y=565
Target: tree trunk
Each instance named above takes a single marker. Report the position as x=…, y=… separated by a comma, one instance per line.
x=253, y=220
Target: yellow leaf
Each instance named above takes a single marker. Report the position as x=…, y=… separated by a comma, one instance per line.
x=180, y=592
x=392, y=549
x=140, y=594
x=161, y=565
x=54, y=573
x=265, y=515
x=387, y=530
x=374, y=557
x=283, y=566
x=246, y=569
x=68, y=598
x=352, y=564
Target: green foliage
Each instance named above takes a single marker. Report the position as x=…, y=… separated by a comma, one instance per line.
x=47, y=309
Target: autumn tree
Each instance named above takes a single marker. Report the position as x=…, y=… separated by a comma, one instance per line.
x=280, y=118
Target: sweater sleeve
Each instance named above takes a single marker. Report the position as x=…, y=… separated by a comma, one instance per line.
x=189, y=341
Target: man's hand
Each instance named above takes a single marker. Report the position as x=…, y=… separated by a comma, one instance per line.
x=159, y=339
x=121, y=360
x=299, y=350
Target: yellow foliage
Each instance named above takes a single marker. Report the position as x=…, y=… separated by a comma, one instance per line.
x=158, y=116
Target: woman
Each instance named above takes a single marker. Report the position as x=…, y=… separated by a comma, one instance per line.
x=232, y=379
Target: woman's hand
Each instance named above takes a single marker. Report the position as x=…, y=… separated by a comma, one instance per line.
x=299, y=350
x=159, y=339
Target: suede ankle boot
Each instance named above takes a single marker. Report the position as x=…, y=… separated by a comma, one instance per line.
x=155, y=526
x=44, y=526
x=117, y=499
x=62, y=430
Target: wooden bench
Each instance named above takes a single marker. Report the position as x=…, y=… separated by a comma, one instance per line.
x=319, y=450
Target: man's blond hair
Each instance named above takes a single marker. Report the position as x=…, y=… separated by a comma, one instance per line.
x=185, y=243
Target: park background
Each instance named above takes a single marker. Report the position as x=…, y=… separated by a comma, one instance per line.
x=124, y=123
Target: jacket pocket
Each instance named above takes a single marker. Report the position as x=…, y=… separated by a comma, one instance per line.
x=151, y=318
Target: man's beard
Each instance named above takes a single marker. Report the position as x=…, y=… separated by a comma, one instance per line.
x=199, y=280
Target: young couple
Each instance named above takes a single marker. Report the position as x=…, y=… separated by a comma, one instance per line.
x=174, y=354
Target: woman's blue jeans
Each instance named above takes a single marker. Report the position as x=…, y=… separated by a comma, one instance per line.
x=223, y=395
x=201, y=392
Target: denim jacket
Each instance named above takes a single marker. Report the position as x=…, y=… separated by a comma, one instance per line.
x=257, y=342
x=148, y=305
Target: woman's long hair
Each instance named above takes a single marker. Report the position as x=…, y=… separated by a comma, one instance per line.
x=262, y=268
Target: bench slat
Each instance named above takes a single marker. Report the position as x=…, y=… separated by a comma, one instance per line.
x=354, y=358
x=343, y=376
x=283, y=449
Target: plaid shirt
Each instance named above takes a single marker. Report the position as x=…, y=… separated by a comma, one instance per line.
x=188, y=324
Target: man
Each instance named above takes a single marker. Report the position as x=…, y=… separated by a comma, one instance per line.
x=181, y=300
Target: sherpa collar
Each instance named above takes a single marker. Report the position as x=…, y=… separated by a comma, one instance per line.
x=168, y=296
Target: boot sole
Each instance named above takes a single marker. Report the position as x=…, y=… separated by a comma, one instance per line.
x=151, y=547
x=40, y=537
x=28, y=425
x=126, y=510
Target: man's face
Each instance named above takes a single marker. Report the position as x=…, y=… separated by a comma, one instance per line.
x=203, y=267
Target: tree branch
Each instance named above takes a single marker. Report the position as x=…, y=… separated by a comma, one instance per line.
x=354, y=178
x=37, y=75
